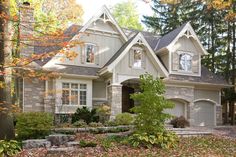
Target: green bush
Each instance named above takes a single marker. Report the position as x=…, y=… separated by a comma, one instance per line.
x=179, y=122
x=9, y=148
x=80, y=124
x=150, y=117
x=124, y=119
x=33, y=125
x=162, y=140
x=85, y=114
x=95, y=124
x=110, y=123
x=104, y=112
x=83, y=144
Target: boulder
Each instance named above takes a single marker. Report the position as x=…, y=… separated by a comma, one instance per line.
x=36, y=143
x=60, y=139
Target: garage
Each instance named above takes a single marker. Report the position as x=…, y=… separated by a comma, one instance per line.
x=203, y=113
x=178, y=110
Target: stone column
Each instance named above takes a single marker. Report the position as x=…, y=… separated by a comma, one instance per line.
x=218, y=115
x=115, y=99
x=191, y=112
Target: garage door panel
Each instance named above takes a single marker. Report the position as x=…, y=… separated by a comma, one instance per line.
x=203, y=113
x=178, y=110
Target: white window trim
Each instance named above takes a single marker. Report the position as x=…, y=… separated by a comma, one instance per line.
x=142, y=51
x=85, y=53
x=188, y=53
x=78, y=90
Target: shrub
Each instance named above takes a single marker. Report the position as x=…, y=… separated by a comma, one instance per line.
x=162, y=140
x=80, y=123
x=124, y=119
x=110, y=123
x=104, y=112
x=9, y=148
x=33, y=125
x=95, y=124
x=85, y=114
x=179, y=122
x=83, y=144
x=150, y=117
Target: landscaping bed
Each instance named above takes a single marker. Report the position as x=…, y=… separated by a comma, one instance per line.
x=116, y=146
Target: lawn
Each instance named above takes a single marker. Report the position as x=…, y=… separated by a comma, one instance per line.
x=113, y=146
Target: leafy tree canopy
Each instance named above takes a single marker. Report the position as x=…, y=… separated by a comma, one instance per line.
x=126, y=14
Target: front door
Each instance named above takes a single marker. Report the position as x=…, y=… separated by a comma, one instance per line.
x=127, y=102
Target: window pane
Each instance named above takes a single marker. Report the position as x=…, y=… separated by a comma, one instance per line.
x=185, y=62
x=74, y=97
x=90, y=53
x=74, y=86
x=65, y=85
x=65, y=97
x=137, y=59
x=83, y=97
x=83, y=86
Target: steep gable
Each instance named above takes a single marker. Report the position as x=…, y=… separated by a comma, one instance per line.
x=137, y=39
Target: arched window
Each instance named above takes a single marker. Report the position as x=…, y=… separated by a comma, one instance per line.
x=185, y=62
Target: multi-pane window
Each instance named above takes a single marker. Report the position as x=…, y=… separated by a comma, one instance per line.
x=90, y=53
x=185, y=62
x=74, y=94
x=137, y=58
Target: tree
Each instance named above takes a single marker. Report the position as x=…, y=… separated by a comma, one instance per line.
x=13, y=65
x=126, y=14
x=150, y=117
x=6, y=123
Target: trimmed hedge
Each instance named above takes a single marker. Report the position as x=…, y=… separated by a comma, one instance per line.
x=33, y=125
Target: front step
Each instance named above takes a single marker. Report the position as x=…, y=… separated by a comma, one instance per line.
x=187, y=132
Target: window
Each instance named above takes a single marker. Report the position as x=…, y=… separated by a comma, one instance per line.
x=74, y=94
x=185, y=62
x=137, y=59
x=90, y=50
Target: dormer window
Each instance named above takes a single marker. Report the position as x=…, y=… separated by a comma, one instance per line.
x=137, y=58
x=90, y=50
x=185, y=62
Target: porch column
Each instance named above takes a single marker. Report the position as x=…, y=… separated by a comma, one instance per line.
x=115, y=99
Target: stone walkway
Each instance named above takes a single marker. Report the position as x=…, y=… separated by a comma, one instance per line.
x=225, y=131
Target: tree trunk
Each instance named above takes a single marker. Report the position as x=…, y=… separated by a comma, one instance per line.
x=6, y=120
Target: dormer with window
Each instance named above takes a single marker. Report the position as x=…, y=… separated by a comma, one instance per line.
x=137, y=58
x=90, y=54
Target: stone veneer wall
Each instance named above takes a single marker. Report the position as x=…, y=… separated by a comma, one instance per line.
x=33, y=95
x=219, y=120
x=187, y=94
x=115, y=99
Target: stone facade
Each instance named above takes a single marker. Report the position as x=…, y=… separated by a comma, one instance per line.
x=26, y=30
x=219, y=120
x=115, y=99
x=33, y=95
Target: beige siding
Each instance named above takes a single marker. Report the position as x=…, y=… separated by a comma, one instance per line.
x=107, y=40
x=207, y=94
x=190, y=46
x=99, y=90
x=124, y=68
x=165, y=59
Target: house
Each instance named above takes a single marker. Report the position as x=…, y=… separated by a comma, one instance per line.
x=108, y=66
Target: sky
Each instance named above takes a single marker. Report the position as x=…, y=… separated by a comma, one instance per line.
x=92, y=6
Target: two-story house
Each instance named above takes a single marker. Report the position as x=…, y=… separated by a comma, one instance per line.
x=108, y=66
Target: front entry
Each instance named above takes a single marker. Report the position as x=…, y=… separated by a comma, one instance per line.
x=127, y=102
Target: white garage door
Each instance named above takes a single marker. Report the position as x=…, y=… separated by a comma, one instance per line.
x=203, y=113
x=178, y=110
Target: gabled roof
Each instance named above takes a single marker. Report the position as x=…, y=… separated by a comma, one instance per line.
x=104, y=10
x=125, y=48
x=168, y=38
x=117, y=54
